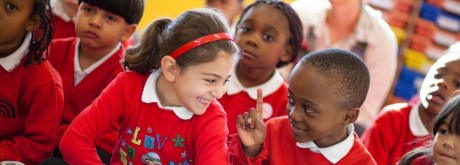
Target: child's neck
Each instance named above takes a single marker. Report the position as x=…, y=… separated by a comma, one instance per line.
x=165, y=91
x=427, y=119
x=342, y=19
x=333, y=139
x=87, y=56
x=250, y=77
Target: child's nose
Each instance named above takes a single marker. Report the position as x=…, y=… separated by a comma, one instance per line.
x=96, y=20
x=219, y=91
x=448, y=142
x=252, y=41
x=447, y=83
x=294, y=114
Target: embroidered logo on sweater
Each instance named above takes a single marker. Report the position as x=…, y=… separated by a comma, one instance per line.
x=146, y=146
x=7, y=110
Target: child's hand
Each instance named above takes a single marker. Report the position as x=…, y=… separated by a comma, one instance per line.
x=251, y=128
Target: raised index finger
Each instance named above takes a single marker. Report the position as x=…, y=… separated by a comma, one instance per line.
x=259, y=104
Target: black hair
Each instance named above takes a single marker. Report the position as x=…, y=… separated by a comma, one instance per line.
x=42, y=35
x=452, y=107
x=295, y=25
x=130, y=10
x=416, y=153
x=346, y=68
x=163, y=36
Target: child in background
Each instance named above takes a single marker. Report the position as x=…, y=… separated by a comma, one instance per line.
x=404, y=126
x=65, y=11
x=89, y=62
x=326, y=89
x=269, y=34
x=446, y=144
x=166, y=105
x=31, y=96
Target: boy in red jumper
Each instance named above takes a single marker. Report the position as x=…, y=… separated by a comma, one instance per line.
x=404, y=126
x=166, y=105
x=89, y=62
x=326, y=89
x=31, y=97
x=263, y=51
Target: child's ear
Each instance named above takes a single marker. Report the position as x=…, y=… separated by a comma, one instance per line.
x=169, y=68
x=129, y=30
x=350, y=116
x=33, y=23
x=287, y=54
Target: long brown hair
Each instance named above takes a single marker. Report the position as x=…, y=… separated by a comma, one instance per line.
x=163, y=36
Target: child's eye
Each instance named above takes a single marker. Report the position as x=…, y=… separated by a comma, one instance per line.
x=111, y=18
x=267, y=37
x=10, y=6
x=87, y=9
x=443, y=131
x=226, y=81
x=438, y=76
x=245, y=28
x=211, y=81
x=457, y=84
x=307, y=109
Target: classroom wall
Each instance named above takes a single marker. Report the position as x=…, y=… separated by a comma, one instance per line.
x=172, y=8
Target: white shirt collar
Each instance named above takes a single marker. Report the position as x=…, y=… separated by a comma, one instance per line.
x=415, y=122
x=149, y=95
x=10, y=62
x=335, y=152
x=88, y=70
x=234, y=86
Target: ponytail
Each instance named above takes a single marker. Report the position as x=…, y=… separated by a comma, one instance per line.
x=146, y=56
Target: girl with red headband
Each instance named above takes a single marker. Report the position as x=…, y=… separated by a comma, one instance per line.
x=166, y=103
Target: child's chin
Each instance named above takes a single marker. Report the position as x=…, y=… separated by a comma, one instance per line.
x=199, y=111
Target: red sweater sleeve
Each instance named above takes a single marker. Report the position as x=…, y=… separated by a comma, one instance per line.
x=379, y=138
x=238, y=157
x=211, y=138
x=44, y=107
x=91, y=124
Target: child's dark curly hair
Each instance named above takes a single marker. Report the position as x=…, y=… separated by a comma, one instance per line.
x=41, y=37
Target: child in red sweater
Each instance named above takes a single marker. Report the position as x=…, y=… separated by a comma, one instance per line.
x=269, y=34
x=405, y=126
x=89, y=62
x=446, y=145
x=326, y=89
x=166, y=106
x=31, y=97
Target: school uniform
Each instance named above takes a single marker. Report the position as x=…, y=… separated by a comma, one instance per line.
x=372, y=40
x=398, y=130
x=239, y=99
x=281, y=148
x=148, y=130
x=31, y=102
x=81, y=87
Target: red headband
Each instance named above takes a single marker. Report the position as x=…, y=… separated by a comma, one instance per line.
x=198, y=42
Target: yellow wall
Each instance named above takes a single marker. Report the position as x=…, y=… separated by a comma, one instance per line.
x=172, y=8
